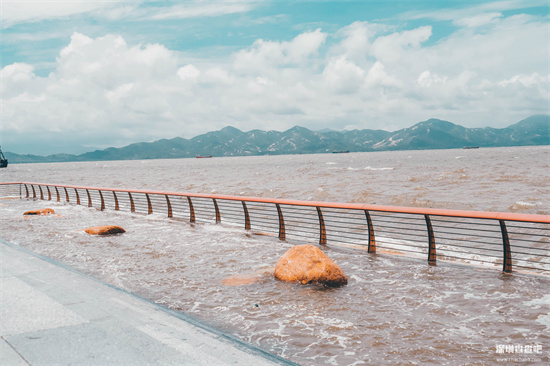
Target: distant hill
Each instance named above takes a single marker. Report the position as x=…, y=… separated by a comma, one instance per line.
x=229, y=141
x=437, y=134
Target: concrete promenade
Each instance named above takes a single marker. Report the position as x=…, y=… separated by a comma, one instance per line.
x=50, y=314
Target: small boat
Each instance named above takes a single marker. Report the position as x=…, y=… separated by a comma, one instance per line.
x=341, y=152
x=203, y=157
x=3, y=160
x=471, y=147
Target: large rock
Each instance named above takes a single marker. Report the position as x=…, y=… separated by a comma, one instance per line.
x=105, y=230
x=42, y=211
x=308, y=264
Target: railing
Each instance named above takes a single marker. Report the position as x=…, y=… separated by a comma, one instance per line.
x=515, y=241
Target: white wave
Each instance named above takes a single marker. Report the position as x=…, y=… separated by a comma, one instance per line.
x=371, y=168
x=544, y=319
x=357, y=278
x=536, y=303
x=526, y=204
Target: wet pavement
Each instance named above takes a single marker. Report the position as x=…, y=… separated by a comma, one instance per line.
x=51, y=314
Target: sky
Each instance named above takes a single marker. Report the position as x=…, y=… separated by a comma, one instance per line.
x=84, y=75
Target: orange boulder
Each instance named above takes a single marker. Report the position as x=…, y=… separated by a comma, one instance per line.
x=105, y=230
x=308, y=264
x=42, y=211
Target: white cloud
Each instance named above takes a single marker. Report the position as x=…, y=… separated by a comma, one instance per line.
x=265, y=55
x=263, y=81
x=195, y=9
x=427, y=79
x=99, y=84
x=526, y=80
x=16, y=78
x=459, y=15
x=378, y=76
x=355, y=40
x=188, y=72
x=303, y=46
x=217, y=75
x=78, y=41
x=26, y=11
x=394, y=47
x=343, y=76
x=478, y=20
x=120, y=92
x=21, y=11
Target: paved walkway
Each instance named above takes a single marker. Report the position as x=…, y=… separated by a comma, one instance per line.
x=50, y=314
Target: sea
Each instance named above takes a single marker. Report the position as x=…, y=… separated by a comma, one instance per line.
x=394, y=309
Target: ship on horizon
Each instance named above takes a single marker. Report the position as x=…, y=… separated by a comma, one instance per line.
x=3, y=160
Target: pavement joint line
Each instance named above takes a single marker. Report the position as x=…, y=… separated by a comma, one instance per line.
x=14, y=350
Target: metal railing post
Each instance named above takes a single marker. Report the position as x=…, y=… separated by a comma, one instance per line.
x=218, y=216
x=33, y=192
x=372, y=239
x=322, y=229
x=49, y=193
x=282, y=230
x=246, y=217
x=102, y=200
x=132, y=205
x=41, y=192
x=77, y=196
x=66, y=193
x=116, y=201
x=89, y=198
x=431, y=241
x=57, y=192
x=191, y=210
x=149, y=206
x=27, y=189
x=506, y=252
x=169, y=206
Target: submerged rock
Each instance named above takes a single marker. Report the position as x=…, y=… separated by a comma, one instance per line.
x=247, y=279
x=41, y=211
x=105, y=230
x=308, y=264
x=239, y=280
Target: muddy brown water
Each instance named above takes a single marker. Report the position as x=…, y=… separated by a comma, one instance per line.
x=394, y=310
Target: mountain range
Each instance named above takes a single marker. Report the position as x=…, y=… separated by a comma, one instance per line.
x=230, y=141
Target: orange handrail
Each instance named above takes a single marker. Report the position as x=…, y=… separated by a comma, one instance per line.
x=507, y=216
